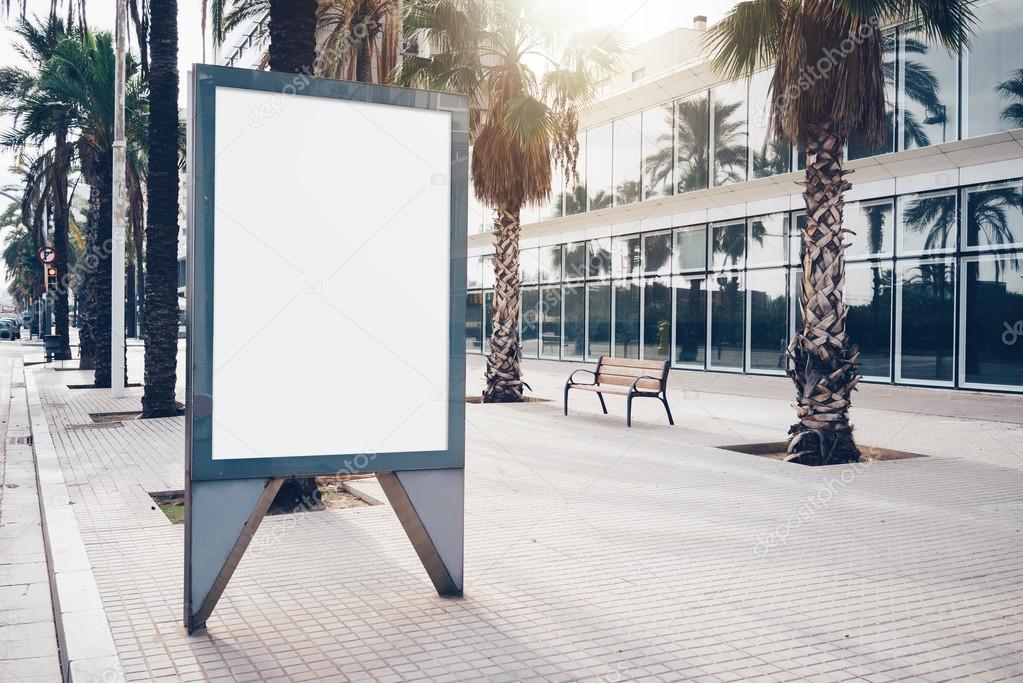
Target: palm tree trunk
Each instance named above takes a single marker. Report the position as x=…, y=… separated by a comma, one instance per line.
x=292, y=35
x=821, y=363
x=293, y=49
x=84, y=295
x=504, y=363
x=60, y=240
x=161, y=337
x=101, y=285
x=364, y=62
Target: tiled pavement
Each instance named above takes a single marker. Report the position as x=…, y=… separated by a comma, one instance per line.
x=28, y=639
x=594, y=552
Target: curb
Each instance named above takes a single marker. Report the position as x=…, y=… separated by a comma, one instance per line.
x=87, y=650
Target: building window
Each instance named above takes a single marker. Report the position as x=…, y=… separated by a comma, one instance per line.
x=600, y=258
x=928, y=97
x=550, y=322
x=554, y=208
x=994, y=79
x=691, y=249
x=992, y=342
x=658, y=152
x=598, y=167
x=926, y=321
x=868, y=298
x=550, y=263
x=768, y=155
x=626, y=319
x=690, y=321
x=598, y=320
x=575, y=261
x=626, y=159
x=657, y=253
x=726, y=321
x=768, y=319
x=625, y=256
x=529, y=266
x=575, y=193
x=928, y=223
x=488, y=319
x=487, y=276
x=993, y=216
x=872, y=223
x=692, y=149
x=728, y=121
x=657, y=319
x=530, y=322
x=768, y=240
x=574, y=309
x=728, y=245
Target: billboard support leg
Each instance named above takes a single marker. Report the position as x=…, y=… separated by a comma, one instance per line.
x=230, y=511
x=431, y=507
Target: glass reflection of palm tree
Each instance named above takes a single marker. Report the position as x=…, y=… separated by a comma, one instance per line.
x=987, y=216
x=773, y=158
x=730, y=240
x=692, y=132
x=936, y=217
x=729, y=144
x=1013, y=89
x=657, y=166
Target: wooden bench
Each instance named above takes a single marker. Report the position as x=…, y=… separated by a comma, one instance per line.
x=626, y=377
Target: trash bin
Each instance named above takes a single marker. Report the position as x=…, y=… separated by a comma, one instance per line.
x=51, y=346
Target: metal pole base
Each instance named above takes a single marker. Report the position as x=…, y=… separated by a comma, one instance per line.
x=229, y=513
x=431, y=507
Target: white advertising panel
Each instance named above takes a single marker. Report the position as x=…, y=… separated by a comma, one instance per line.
x=331, y=276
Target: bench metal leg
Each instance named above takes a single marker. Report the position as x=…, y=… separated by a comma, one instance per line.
x=603, y=406
x=667, y=409
x=628, y=411
x=567, y=387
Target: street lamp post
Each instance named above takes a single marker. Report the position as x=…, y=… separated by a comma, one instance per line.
x=117, y=241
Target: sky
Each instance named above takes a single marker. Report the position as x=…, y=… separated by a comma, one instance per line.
x=638, y=20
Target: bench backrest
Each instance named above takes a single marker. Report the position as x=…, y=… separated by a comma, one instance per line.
x=624, y=371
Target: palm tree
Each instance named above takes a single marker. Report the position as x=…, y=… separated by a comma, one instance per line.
x=80, y=75
x=161, y=243
x=817, y=111
x=520, y=122
x=39, y=118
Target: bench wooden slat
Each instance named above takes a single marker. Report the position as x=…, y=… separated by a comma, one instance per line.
x=632, y=363
x=626, y=381
x=623, y=371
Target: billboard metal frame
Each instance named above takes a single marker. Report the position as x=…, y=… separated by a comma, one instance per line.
x=227, y=499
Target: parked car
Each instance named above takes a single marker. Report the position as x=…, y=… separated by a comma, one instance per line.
x=15, y=326
x=10, y=330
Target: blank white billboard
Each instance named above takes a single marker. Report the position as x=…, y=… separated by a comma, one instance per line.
x=331, y=277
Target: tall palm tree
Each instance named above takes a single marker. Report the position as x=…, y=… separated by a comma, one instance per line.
x=80, y=74
x=817, y=110
x=520, y=121
x=40, y=119
x=161, y=244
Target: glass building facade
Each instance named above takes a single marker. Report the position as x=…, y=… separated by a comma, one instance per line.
x=934, y=290
x=934, y=284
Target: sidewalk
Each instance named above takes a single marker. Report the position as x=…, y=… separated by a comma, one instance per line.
x=592, y=552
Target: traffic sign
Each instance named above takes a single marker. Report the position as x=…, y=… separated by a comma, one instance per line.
x=47, y=255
